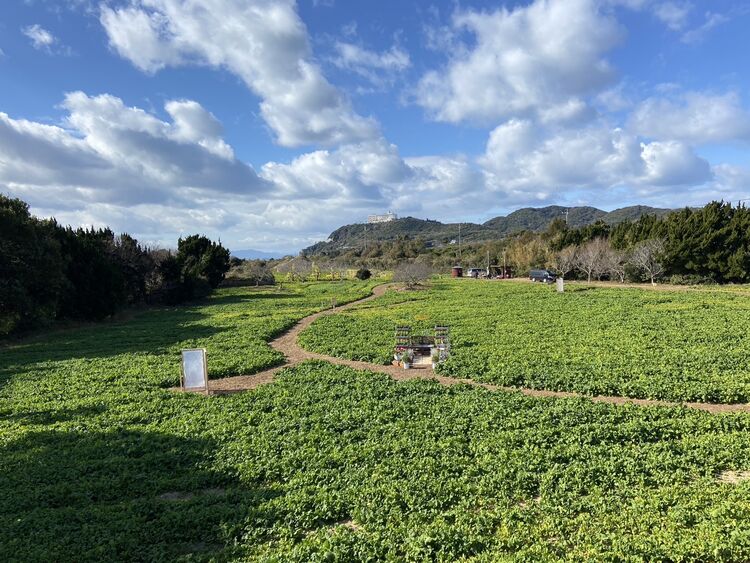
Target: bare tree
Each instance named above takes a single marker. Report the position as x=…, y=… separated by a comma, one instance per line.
x=590, y=258
x=334, y=270
x=315, y=270
x=254, y=272
x=297, y=268
x=412, y=274
x=565, y=261
x=648, y=257
x=614, y=262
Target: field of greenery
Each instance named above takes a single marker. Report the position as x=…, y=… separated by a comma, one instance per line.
x=680, y=344
x=100, y=462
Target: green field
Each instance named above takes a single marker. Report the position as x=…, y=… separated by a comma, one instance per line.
x=100, y=462
x=690, y=344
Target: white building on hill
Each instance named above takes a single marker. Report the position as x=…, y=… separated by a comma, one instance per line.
x=382, y=218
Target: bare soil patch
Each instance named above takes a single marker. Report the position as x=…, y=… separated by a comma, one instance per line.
x=733, y=477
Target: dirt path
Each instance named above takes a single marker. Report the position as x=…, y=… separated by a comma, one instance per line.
x=295, y=354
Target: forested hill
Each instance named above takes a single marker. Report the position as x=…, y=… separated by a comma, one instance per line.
x=437, y=233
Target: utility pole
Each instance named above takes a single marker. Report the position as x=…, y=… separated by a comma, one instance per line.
x=365, y=238
x=566, y=216
x=459, y=244
x=488, y=263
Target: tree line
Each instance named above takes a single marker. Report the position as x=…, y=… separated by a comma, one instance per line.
x=49, y=272
x=706, y=245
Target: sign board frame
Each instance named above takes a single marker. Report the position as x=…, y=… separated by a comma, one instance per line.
x=183, y=382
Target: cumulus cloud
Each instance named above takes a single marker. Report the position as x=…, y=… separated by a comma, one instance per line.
x=541, y=58
x=694, y=117
x=193, y=124
x=523, y=156
x=266, y=45
x=111, y=153
x=358, y=172
x=673, y=163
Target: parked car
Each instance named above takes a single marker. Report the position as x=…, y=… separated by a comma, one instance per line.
x=544, y=276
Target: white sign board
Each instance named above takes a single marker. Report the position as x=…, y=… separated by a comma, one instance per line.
x=560, y=285
x=194, y=371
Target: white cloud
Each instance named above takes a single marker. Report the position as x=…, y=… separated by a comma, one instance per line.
x=142, y=37
x=693, y=117
x=673, y=163
x=698, y=34
x=41, y=39
x=379, y=69
x=349, y=29
x=521, y=155
x=354, y=172
x=537, y=58
x=676, y=16
x=673, y=14
x=111, y=153
x=193, y=124
x=265, y=43
x=617, y=98
x=735, y=176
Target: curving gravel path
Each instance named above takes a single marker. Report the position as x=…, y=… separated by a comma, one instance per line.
x=295, y=354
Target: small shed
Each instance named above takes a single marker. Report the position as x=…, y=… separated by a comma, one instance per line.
x=457, y=272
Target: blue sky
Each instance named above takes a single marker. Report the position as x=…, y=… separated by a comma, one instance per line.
x=269, y=123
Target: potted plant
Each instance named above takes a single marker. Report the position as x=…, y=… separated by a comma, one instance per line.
x=407, y=359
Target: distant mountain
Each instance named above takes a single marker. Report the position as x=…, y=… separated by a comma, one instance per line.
x=633, y=213
x=537, y=219
x=436, y=233
x=251, y=254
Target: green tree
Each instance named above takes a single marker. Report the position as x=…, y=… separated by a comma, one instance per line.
x=95, y=285
x=31, y=268
x=201, y=258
